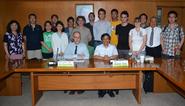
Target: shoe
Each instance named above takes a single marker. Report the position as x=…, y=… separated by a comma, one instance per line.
x=80, y=92
x=117, y=92
x=111, y=93
x=101, y=93
x=71, y=92
x=65, y=91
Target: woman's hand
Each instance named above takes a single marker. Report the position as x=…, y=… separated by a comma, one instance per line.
x=50, y=50
x=7, y=56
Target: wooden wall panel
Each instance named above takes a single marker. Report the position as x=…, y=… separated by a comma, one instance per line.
x=19, y=10
x=2, y=26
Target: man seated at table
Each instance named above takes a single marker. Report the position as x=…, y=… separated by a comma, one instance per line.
x=76, y=50
x=105, y=52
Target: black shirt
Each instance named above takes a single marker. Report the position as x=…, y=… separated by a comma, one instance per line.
x=33, y=37
x=123, y=36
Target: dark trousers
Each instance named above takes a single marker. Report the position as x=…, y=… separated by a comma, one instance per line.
x=170, y=57
x=47, y=55
x=155, y=51
x=149, y=75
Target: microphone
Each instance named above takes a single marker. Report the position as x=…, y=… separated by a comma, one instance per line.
x=56, y=58
x=54, y=63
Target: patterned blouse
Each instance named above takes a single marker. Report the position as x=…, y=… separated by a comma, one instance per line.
x=14, y=43
x=171, y=38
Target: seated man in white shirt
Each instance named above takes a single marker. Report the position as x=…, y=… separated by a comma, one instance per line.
x=106, y=52
x=76, y=49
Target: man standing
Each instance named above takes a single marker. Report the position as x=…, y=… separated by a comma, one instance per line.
x=122, y=31
x=115, y=21
x=153, y=45
x=85, y=32
x=54, y=19
x=144, y=18
x=89, y=25
x=33, y=35
x=70, y=26
x=100, y=27
x=153, y=48
x=172, y=37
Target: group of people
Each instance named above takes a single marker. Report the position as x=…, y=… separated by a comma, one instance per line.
x=110, y=39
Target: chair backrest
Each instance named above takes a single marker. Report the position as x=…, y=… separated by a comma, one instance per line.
x=91, y=51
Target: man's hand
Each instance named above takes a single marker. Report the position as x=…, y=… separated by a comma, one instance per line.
x=106, y=57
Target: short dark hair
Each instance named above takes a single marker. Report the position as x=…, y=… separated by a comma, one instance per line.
x=143, y=14
x=82, y=17
x=70, y=18
x=8, y=28
x=137, y=18
x=61, y=23
x=92, y=14
x=153, y=17
x=101, y=9
x=172, y=12
x=54, y=15
x=105, y=34
x=32, y=14
x=125, y=13
x=49, y=22
x=114, y=10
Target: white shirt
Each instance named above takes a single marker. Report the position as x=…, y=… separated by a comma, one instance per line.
x=101, y=50
x=60, y=42
x=100, y=27
x=137, y=38
x=156, y=37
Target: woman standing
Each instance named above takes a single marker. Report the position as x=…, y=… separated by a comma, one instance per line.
x=59, y=41
x=13, y=41
x=137, y=39
x=47, y=51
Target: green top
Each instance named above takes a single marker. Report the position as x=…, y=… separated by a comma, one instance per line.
x=47, y=41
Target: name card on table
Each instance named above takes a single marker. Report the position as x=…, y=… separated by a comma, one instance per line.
x=119, y=63
x=65, y=63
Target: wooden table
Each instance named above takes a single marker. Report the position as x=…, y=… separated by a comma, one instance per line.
x=90, y=75
x=10, y=82
x=174, y=72
x=93, y=75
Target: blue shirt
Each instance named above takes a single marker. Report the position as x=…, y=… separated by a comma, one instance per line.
x=100, y=27
x=33, y=37
x=81, y=49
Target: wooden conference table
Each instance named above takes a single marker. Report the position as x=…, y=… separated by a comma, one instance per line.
x=96, y=74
